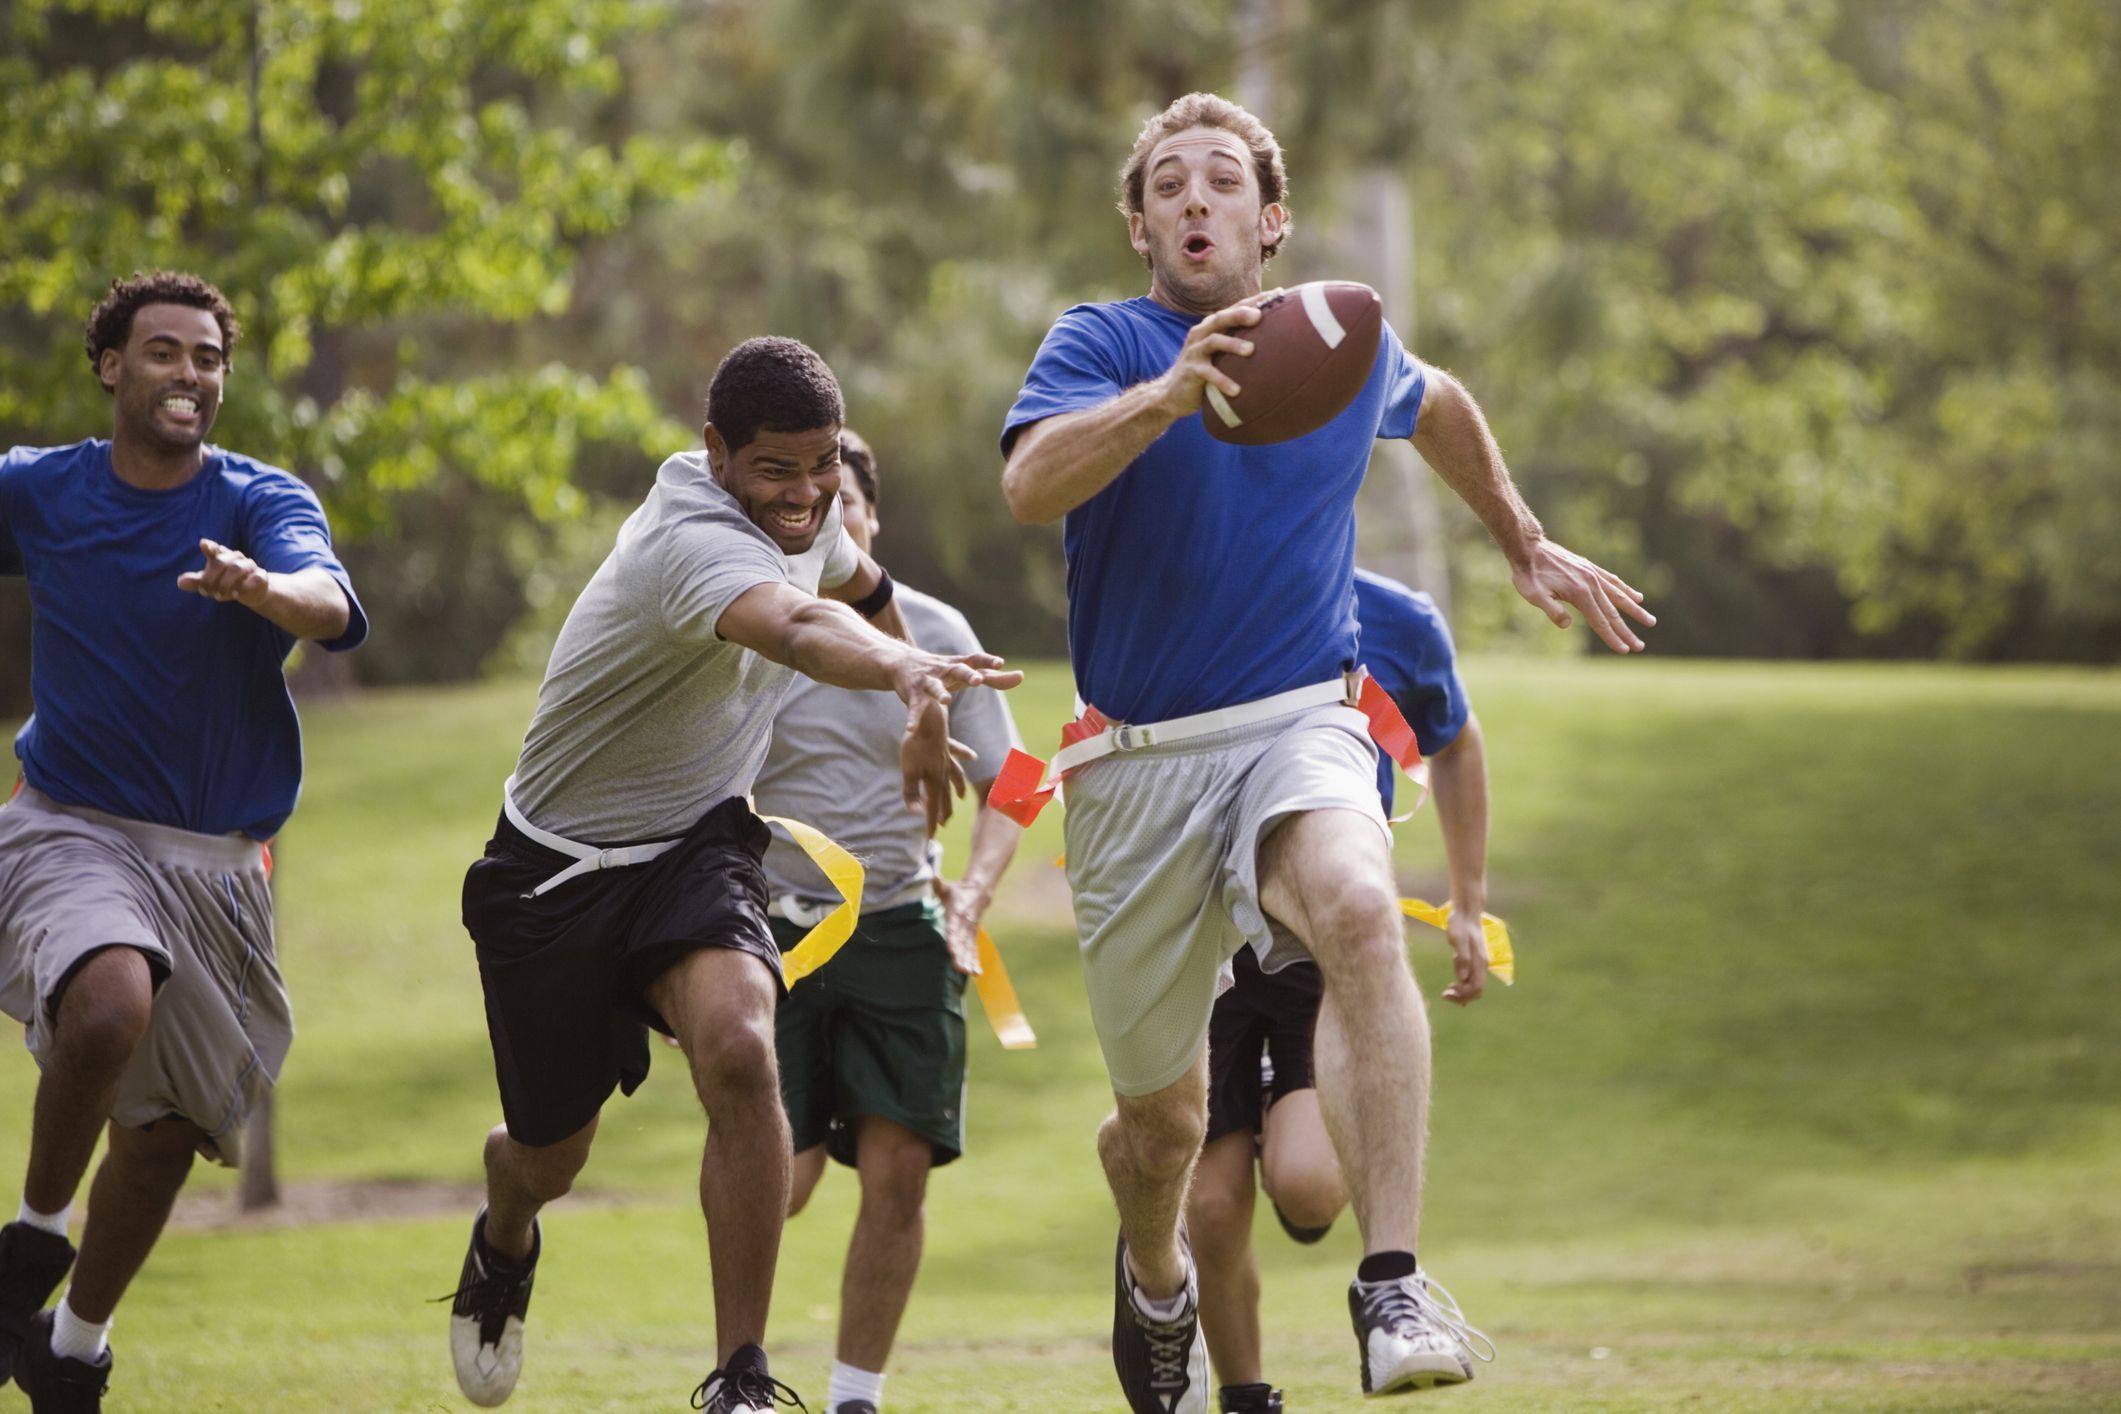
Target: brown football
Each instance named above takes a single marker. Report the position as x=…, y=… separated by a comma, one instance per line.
x=1312, y=351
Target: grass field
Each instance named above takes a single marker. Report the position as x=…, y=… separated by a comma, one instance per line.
x=1808, y=1097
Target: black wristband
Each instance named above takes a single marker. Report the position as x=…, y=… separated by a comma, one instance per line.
x=872, y=603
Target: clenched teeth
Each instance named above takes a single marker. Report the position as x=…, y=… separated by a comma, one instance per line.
x=181, y=404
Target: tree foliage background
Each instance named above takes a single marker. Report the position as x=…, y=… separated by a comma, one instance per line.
x=1802, y=312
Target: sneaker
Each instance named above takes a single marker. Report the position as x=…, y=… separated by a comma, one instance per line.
x=1163, y=1365
x=58, y=1384
x=486, y=1317
x=32, y=1264
x=1413, y=1335
x=853, y=1406
x=744, y=1387
x=1305, y=1235
x=1251, y=1399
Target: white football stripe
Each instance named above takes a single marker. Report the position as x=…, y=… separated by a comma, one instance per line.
x=1321, y=314
x=1222, y=406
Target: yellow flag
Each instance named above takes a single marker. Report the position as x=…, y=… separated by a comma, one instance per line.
x=835, y=928
x=1502, y=963
x=1004, y=1013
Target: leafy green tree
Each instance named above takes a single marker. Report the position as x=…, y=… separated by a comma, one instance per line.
x=393, y=194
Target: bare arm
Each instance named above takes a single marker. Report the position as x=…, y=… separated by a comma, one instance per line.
x=1062, y=461
x=1458, y=779
x=994, y=840
x=1453, y=437
x=307, y=603
x=830, y=642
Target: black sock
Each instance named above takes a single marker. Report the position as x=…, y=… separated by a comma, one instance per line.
x=1248, y=1398
x=746, y=1357
x=1385, y=1266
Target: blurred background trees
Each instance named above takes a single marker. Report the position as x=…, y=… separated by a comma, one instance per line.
x=1793, y=309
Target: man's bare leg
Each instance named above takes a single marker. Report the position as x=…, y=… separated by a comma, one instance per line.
x=103, y=1013
x=719, y=1002
x=1219, y=1221
x=884, y=1255
x=129, y=1204
x=1148, y=1146
x=1297, y=1165
x=803, y=1176
x=523, y=1178
x=1327, y=876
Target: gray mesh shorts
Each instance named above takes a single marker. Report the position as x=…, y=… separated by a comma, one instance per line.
x=1163, y=858
x=75, y=881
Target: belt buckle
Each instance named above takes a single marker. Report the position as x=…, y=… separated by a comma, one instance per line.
x=1129, y=736
x=1352, y=680
x=606, y=858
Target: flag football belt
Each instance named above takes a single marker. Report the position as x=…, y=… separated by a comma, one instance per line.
x=1021, y=789
x=825, y=937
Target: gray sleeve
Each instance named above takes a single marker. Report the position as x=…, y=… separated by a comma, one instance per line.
x=844, y=559
x=979, y=716
x=707, y=568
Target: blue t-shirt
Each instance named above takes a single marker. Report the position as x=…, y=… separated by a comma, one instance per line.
x=152, y=702
x=1206, y=574
x=1407, y=647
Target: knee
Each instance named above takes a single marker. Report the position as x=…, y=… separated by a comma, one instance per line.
x=1159, y=1144
x=543, y=1173
x=104, y=1010
x=736, y=1060
x=895, y=1183
x=1217, y=1216
x=1359, y=932
x=803, y=1177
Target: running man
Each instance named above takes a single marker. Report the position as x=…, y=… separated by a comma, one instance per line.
x=169, y=580
x=872, y=1045
x=622, y=888
x=1261, y=1097
x=1207, y=578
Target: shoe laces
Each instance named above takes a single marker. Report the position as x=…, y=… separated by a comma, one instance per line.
x=1170, y=1348
x=489, y=1293
x=1414, y=1306
x=755, y=1388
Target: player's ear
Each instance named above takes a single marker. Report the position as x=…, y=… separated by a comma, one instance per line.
x=1274, y=226
x=717, y=450
x=1138, y=233
x=107, y=368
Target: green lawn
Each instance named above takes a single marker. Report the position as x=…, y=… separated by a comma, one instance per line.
x=1809, y=1096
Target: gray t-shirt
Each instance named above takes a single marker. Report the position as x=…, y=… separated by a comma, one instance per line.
x=834, y=764
x=646, y=719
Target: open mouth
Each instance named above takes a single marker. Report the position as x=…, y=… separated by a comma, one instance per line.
x=182, y=405
x=793, y=522
x=1197, y=245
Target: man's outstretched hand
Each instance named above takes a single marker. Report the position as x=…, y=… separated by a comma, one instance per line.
x=1556, y=578
x=930, y=763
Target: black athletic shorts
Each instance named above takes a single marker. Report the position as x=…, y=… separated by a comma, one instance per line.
x=1274, y=1013
x=566, y=973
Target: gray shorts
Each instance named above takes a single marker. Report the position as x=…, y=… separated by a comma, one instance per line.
x=1163, y=859
x=74, y=881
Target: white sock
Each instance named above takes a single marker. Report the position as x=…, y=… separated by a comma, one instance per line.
x=848, y=1383
x=76, y=1339
x=53, y=1223
x=1165, y=1308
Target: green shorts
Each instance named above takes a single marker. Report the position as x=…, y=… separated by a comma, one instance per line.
x=879, y=1030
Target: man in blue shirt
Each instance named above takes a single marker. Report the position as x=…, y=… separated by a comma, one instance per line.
x=169, y=581
x=1262, y=1096
x=1205, y=578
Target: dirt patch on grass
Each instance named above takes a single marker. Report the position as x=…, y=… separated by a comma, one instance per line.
x=353, y=1201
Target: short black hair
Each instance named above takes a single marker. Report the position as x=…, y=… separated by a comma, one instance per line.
x=774, y=385
x=110, y=325
x=856, y=456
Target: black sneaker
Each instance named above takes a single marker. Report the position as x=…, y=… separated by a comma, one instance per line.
x=1305, y=1235
x=1413, y=1335
x=486, y=1317
x=853, y=1406
x=32, y=1264
x=58, y=1384
x=744, y=1387
x=1163, y=1365
x=1251, y=1399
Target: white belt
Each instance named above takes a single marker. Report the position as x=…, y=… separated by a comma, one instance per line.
x=587, y=858
x=1129, y=736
